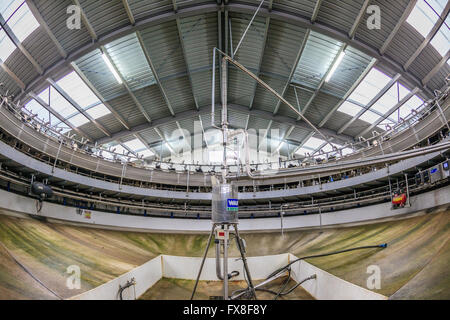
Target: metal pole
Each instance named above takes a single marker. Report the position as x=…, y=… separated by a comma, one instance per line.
x=407, y=190
x=203, y=261
x=213, y=88
x=244, y=260
x=225, y=264
x=57, y=155
x=248, y=27
x=443, y=115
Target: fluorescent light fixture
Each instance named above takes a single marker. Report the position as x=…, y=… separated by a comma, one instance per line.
x=336, y=64
x=111, y=68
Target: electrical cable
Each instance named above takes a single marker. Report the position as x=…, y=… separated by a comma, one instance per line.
x=29, y=272
x=287, y=267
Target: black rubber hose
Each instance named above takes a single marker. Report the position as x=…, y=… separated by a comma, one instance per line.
x=384, y=245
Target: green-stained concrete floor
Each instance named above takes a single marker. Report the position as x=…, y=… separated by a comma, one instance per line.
x=176, y=289
x=415, y=264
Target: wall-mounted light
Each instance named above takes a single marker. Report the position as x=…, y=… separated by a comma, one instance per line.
x=111, y=68
x=336, y=64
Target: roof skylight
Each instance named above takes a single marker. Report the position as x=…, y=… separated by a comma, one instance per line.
x=371, y=85
x=75, y=87
x=441, y=39
x=396, y=93
x=98, y=111
x=6, y=46
x=423, y=18
x=135, y=145
x=313, y=143
x=22, y=22
x=369, y=116
x=78, y=120
x=349, y=108
x=58, y=103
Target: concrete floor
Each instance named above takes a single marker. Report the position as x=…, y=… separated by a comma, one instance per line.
x=176, y=289
x=415, y=264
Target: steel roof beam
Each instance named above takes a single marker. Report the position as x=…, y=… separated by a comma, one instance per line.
x=59, y=116
x=266, y=32
x=322, y=81
x=349, y=92
x=371, y=103
x=10, y=34
x=86, y=22
x=125, y=85
x=358, y=19
x=291, y=74
x=389, y=112
x=430, y=36
x=302, y=143
x=400, y=22
x=130, y=15
x=100, y=96
x=266, y=132
x=180, y=36
x=385, y=62
x=66, y=96
x=12, y=75
x=189, y=114
x=152, y=67
x=44, y=25
x=316, y=10
x=436, y=68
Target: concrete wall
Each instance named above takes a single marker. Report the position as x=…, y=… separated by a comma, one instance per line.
x=60, y=213
x=327, y=286
x=145, y=275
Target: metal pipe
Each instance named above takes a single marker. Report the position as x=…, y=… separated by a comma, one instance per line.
x=213, y=88
x=218, y=268
x=203, y=261
x=248, y=27
x=225, y=264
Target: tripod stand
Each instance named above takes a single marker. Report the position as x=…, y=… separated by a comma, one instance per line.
x=225, y=239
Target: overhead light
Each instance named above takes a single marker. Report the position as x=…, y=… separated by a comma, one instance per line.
x=336, y=64
x=111, y=68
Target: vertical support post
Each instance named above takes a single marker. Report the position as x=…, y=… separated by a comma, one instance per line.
x=225, y=263
x=407, y=190
x=57, y=155
x=213, y=88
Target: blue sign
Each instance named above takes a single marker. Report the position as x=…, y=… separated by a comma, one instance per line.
x=232, y=205
x=433, y=170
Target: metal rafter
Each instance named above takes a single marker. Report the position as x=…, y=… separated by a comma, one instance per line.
x=436, y=68
x=400, y=22
x=10, y=34
x=12, y=75
x=385, y=62
x=99, y=96
x=389, y=112
x=371, y=103
x=125, y=85
x=358, y=19
x=130, y=15
x=152, y=67
x=66, y=96
x=284, y=139
x=291, y=74
x=430, y=36
x=266, y=32
x=86, y=22
x=164, y=139
x=302, y=143
x=316, y=10
x=349, y=92
x=190, y=114
x=44, y=25
x=322, y=81
x=180, y=36
x=58, y=115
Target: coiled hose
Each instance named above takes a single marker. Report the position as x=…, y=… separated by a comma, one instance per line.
x=238, y=293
